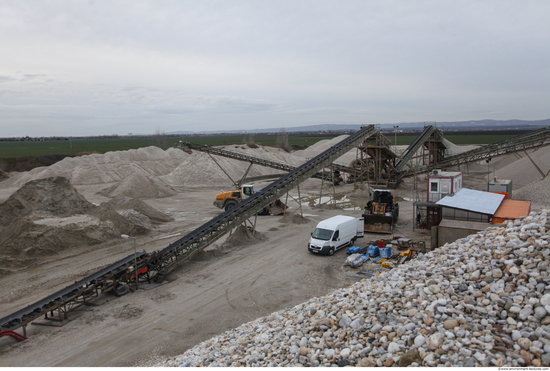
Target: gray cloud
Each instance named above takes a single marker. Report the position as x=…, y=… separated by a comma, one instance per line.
x=131, y=66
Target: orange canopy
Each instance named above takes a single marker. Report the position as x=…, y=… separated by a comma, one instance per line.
x=511, y=209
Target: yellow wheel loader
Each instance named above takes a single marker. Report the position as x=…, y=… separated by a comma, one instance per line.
x=381, y=212
x=227, y=200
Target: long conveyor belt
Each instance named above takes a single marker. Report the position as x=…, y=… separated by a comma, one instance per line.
x=166, y=259
x=218, y=226
x=259, y=160
x=535, y=139
x=415, y=146
x=70, y=295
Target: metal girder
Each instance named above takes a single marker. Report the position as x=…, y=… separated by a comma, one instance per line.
x=182, y=249
x=534, y=139
x=164, y=260
x=71, y=295
x=257, y=160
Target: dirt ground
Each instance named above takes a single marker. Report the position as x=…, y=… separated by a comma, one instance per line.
x=217, y=291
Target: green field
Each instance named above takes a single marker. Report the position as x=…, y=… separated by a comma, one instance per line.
x=79, y=146
x=455, y=139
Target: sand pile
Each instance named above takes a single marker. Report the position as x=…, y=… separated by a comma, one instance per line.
x=453, y=149
x=105, y=168
x=128, y=203
x=3, y=175
x=242, y=237
x=322, y=145
x=537, y=193
x=199, y=170
x=294, y=219
x=139, y=186
x=47, y=216
x=522, y=171
x=362, y=191
x=55, y=196
x=268, y=153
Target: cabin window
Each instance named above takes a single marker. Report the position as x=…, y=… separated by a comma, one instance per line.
x=433, y=187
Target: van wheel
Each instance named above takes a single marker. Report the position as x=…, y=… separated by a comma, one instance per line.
x=331, y=252
x=352, y=241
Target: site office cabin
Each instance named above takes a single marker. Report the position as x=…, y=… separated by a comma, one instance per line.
x=443, y=183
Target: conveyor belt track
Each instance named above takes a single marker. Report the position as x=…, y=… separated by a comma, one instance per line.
x=534, y=139
x=260, y=161
x=78, y=291
x=166, y=259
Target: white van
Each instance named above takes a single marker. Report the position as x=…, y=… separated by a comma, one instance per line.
x=335, y=233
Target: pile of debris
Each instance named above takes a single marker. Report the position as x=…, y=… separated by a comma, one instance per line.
x=387, y=253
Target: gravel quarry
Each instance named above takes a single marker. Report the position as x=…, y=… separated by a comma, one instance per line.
x=263, y=299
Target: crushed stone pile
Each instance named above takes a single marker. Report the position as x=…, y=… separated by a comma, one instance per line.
x=522, y=171
x=47, y=216
x=139, y=186
x=128, y=203
x=3, y=175
x=483, y=300
x=55, y=196
x=322, y=145
x=242, y=237
x=537, y=192
x=294, y=219
x=105, y=168
x=199, y=169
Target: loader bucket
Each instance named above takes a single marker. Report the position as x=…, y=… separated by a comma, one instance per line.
x=378, y=223
x=277, y=207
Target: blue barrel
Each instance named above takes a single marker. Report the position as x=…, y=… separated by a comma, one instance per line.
x=353, y=249
x=385, y=252
x=373, y=250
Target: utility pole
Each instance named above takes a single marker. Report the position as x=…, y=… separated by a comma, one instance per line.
x=395, y=137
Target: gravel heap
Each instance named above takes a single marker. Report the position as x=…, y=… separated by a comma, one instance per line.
x=483, y=300
x=537, y=192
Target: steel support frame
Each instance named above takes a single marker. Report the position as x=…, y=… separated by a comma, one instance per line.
x=166, y=261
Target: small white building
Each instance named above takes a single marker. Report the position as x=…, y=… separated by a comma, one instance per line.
x=443, y=183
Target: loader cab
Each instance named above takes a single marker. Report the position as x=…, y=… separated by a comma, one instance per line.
x=247, y=191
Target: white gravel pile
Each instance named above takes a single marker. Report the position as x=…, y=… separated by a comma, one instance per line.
x=538, y=192
x=105, y=168
x=483, y=300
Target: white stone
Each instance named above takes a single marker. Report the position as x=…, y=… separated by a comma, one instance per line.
x=419, y=341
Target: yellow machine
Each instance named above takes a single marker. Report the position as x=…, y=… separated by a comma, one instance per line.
x=381, y=212
x=228, y=200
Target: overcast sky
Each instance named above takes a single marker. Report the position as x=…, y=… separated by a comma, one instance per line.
x=100, y=67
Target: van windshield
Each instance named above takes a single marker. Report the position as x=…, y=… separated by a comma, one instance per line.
x=322, y=234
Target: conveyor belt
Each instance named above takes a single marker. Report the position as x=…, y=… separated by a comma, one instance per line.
x=166, y=259
x=414, y=147
x=218, y=226
x=534, y=139
x=260, y=161
x=69, y=293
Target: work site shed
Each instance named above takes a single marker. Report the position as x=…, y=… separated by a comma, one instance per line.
x=511, y=210
x=449, y=231
x=470, y=205
x=443, y=183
